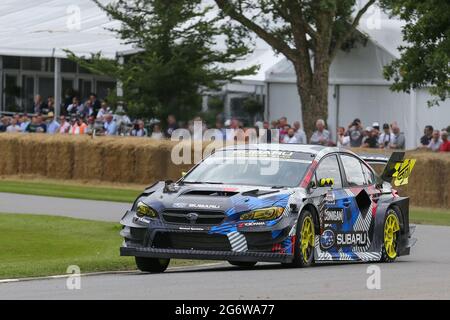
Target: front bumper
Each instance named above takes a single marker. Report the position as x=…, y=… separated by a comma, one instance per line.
x=205, y=254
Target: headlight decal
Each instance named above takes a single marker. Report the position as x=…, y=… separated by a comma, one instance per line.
x=264, y=214
x=144, y=210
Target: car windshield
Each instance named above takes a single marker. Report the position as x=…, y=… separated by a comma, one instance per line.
x=252, y=167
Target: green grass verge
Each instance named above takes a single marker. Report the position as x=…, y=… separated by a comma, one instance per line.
x=429, y=216
x=35, y=245
x=65, y=190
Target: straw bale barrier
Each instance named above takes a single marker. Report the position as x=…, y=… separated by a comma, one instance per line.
x=143, y=161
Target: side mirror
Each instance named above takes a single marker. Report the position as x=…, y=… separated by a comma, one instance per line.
x=326, y=182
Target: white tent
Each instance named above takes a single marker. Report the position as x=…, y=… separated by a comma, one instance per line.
x=44, y=28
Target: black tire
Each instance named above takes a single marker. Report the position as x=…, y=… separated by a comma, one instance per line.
x=300, y=260
x=243, y=264
x=386, y=254
x=153, y=265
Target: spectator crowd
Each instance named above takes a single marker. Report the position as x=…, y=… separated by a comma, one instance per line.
x=96, y=117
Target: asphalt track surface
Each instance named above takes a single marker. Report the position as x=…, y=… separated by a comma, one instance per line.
x=74, y=208
x=425, y=274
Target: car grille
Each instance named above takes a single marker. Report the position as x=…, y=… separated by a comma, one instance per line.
x=196, y=241
x=203, y=217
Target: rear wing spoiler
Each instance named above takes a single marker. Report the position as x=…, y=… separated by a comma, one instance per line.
x=396, y=168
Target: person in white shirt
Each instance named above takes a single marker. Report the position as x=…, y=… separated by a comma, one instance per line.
x=290, y=137
x=435, y=142
x=104, y=110
x=13, y=127
x=299, y=133
x=342, y=139
x=386, y=137
x=156, y=132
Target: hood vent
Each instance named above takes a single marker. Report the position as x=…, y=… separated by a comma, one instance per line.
x=257, y=192
x=212, y=193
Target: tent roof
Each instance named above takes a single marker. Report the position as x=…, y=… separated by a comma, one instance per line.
x=42, y=28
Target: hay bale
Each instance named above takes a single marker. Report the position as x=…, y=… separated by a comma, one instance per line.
x=143, y=161
x=60, y=157
x=8, y=153
x=88, y=158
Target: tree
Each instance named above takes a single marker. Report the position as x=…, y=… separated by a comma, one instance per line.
x=178, y=54
x=425, y=60
x=253, y=107
x=309, y=34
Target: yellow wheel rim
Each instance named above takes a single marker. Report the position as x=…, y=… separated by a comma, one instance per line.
x=307, y=238
x=391, y=227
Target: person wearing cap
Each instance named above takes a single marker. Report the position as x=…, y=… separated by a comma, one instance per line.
x=355, y=132
x=445, y=146
x=385, y=137
x=371, y=140
x=376, y=125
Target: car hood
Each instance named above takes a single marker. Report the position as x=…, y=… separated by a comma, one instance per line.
x=231, y=199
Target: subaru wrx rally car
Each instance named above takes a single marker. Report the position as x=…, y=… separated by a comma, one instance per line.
x=294, y=204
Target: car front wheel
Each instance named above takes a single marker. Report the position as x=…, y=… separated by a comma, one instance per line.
x=153, y=265
x=304, y=242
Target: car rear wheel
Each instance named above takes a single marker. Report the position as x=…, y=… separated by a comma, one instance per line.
x=153, y=265
x=243, y=264
x=390, y=236
x=304, y=242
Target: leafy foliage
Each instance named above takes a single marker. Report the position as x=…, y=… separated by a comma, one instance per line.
x=178, y=53
x=253, y=106
x=426, y=59
x=309, y=33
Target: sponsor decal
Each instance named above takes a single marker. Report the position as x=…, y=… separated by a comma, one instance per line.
x=191, y=228
x=252, y=224
x=264, y=153
x=356, y=238
x=330, y=198
x=327, y=239
x=141, y=220
x=333, y=215
x=195, y=205
x=179, y=205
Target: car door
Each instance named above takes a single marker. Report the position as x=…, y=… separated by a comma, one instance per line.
x=333, y=204
x=353, y=236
